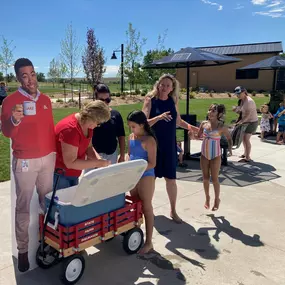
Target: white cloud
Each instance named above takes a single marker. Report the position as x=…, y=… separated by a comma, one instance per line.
x=220, y=7
x=274, y=3
x=272, y=15
x=280, y=10
x=258, y=2
x=36, y=67
x=112, y=70
x=271, y=8
x=238, y=7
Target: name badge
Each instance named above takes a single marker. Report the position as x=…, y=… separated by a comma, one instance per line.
x=25, y=165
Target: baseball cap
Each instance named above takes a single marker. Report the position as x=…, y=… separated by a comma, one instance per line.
x=239, y=89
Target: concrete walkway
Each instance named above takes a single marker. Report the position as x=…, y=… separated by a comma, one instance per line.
x=241, y=244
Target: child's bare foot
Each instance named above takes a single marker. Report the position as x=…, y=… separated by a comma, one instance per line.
x=207, y=203
x=280, y=142
x=147, y=247
x=216, y=204
x=175, y=218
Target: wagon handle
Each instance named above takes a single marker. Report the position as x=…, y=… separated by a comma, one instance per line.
x=57, y=172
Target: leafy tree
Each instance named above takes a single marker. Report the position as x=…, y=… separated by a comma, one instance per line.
x=93, y=60
x=10, y=77
x=41, y=77
x=6, y=55
x=152, y=75
x=133, y=54
x=54, y=70
x=70, y=54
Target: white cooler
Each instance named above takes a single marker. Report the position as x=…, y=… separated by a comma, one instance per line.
x=99, y=191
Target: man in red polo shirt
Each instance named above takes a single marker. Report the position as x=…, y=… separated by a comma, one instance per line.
x=27, y=119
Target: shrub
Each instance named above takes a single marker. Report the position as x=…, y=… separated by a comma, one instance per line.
x=253, y=93
x=59, y=101
x=192, y=95
x=137, y=91
x=266, y=94
x=145, y=91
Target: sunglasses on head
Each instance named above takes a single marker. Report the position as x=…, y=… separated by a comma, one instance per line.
x=106, y=100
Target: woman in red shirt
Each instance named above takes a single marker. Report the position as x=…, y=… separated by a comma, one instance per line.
x=73, y=142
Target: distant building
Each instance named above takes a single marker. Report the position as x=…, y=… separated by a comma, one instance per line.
x=227, y=77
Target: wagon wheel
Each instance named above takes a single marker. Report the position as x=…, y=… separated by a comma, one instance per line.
x=49, y=258
x=133, y=240
x=73, y=269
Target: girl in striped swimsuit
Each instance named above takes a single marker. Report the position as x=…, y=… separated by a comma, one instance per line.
x=211, y=130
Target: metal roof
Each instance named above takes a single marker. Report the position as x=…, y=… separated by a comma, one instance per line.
x=269, y=47
x=191, y=57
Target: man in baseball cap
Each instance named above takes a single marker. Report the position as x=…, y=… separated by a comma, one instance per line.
x=239, y=90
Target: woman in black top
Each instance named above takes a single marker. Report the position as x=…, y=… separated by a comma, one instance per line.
x=106, y=137
x=161, y=109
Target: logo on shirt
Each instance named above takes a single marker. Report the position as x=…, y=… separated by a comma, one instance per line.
x=45, y=107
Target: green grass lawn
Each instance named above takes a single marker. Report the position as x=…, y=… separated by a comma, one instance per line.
x=49, y=89
x=197, y=106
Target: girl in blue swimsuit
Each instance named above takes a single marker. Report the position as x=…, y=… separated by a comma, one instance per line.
x=142, y=145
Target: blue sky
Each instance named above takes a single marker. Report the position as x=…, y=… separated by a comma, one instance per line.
x=37, y=27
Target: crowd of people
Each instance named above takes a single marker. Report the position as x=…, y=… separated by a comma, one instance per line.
x=95, y=137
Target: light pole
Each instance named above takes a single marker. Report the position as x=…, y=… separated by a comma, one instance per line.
x=122, y=65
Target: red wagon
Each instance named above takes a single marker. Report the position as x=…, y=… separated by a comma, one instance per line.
x=63, y=242
x=66, y=243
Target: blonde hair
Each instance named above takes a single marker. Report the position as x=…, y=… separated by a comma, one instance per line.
x=174, y=94
x=263, y=107
x=96, y=111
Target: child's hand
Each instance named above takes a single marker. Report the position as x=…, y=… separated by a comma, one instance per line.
x=191, y=135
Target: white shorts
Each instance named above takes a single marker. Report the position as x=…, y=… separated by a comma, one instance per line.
x=112, y=157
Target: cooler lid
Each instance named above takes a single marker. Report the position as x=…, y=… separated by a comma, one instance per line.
x=103, y=183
